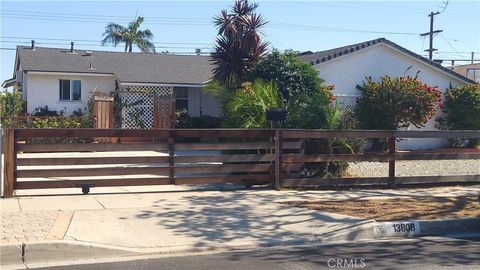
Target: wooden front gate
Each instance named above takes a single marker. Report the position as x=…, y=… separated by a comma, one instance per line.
x=163, y=111
x=103, y=111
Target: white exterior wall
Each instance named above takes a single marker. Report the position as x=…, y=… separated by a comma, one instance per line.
x=348, y=71
x=200, y=103
x=210, y=105
x=23, y=83
x=43, y=89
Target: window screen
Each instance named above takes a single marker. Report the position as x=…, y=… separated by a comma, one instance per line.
x=77, y=90
x=64, y=89
x=181, y=98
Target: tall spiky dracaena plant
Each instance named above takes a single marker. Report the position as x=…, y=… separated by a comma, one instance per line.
x=239, y=43
x=131, y=35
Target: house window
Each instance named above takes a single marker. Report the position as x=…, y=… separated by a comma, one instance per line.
x=473, y=74
x=181, y=98
x=70, y=90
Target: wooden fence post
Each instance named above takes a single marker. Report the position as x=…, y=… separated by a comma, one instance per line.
x=278, y=159
x=391, y=162
x=9, y=162
x=171, y=157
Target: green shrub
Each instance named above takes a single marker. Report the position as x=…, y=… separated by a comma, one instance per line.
x=55, y=122
x=11, y=104
x=248, y=105
x=396, y=102
x=247, y=110
x=312, y=111
x=44, y=111
x=348, y=119
x=293, y=76
x=59, y=122
x=462, y=106
x=183, y=120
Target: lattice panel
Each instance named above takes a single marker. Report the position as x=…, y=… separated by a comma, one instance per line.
x=160, y=90
x=139, y=105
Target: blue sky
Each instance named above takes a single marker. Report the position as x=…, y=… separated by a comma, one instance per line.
x=182, y=26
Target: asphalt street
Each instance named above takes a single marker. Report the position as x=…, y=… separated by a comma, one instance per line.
x=426, y=253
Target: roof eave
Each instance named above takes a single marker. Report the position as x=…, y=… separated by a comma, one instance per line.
x=403, y=50
x=9, y=83
x=174, y=84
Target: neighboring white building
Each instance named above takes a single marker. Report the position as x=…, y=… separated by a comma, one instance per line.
x=471, y=71
x=64, y=79
x=348, y=66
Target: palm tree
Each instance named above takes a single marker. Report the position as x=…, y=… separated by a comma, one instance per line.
x=239, y=43
x=131, y=35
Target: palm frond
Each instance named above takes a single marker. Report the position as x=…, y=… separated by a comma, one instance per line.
x=133, y=26
x=145, y=46
x=116, y=34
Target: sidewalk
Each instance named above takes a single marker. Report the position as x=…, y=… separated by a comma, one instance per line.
x=178, y=219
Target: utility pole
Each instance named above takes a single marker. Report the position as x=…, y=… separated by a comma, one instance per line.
x=431, y=49
x=473, y=56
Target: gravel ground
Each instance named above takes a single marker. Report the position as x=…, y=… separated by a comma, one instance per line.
x=416, y=168
x=404, y=209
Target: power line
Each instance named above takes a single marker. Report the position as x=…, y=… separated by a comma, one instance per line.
x=97, y=15
x=444, y=7
x=98, y=45
x=106, y=45
x=188, y=21
x=97, y=41
x=451, y=46
x=379, y=8
x=453, y=52
x=281, y=25
x=166, y=52
x=460, y=60
x=463, y=41
x=102, y=21
x=423, y=43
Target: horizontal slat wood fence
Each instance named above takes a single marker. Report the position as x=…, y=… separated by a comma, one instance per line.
x=199, y=156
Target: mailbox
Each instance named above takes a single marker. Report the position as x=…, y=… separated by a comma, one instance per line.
x=276, y=114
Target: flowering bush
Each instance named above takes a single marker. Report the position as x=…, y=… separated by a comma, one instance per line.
x=396, y=102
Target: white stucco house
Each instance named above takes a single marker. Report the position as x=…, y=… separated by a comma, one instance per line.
x=63, y=79
x=346, y=67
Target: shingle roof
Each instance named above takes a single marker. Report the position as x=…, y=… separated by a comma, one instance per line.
x=324, y=56
x=127, y=67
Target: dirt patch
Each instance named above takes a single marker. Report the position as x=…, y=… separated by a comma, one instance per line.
x=400, y=208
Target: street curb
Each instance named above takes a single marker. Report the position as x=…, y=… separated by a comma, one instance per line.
x=50, y=253
x=183, y=253
x=451, y=227
x=53, y=251
x=446, y=227
x=10, y=254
